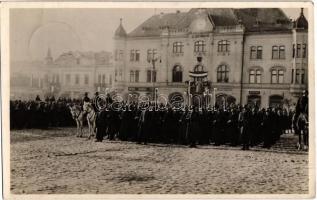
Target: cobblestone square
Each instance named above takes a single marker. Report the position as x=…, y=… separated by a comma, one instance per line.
x=56, y=162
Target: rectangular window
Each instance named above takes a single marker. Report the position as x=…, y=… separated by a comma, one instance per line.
x=304, y=50
x=115, y=75
x=137, y=76
x=149, y=55
x=303, y=77
x=132, y=76
x=148, y=76
x=86, y=79
x=121, y=55
x=280, y=76
x=99, y=78
x=292, y=79
x=274, y=76
x=154, y=76
x=258, y=76
x=253, y=52
x=298, y=51
x=297, y=77
x=77, y=79
x=282, y=52
x=252, y=76
x=137, y=55
x=154, y=51
x=132, y=55
x=275, y=52
x=259, y=52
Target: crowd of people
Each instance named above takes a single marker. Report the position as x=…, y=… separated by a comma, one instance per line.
x=235, y=125
x=41, y=114
x=244, y=126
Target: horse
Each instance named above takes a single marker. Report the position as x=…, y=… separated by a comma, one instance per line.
x=91, y=119
x=301, y=125
x=78, y=116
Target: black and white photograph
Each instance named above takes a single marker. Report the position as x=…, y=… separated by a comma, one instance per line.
x=158, y=99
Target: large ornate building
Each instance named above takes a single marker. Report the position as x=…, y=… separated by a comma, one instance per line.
x=69, y=75
x=231, y=55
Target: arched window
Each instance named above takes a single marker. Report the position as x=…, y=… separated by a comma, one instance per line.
x=177, y=74
x=255, y=76
x=223, y=74
x=178, y=47
x=223, y=46
x=199, y=46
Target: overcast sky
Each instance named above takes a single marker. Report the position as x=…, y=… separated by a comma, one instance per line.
x=32, y=31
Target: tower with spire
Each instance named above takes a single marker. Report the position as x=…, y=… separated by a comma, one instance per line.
x=300, y=54
x=49, y=58
x=120, y=37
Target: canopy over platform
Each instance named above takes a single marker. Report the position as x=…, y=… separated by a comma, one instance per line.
x=199, y=74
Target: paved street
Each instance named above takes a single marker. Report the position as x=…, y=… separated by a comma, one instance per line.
x=54, y=161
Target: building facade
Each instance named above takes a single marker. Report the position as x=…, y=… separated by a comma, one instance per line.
x=256, y=56
x=70, y=75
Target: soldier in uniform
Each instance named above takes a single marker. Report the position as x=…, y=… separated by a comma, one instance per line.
x=244, y=118
x=141, y=137
x=194, y=127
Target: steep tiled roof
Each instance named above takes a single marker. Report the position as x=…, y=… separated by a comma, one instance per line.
x=223, y=16
x=263, y=19
x=254, y=19
x=155, y=24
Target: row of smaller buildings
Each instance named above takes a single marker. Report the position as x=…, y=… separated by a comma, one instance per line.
x=70, y=75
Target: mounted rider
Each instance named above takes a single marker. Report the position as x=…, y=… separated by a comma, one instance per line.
x=302, y=104
x=86, y=100
x=300, y=120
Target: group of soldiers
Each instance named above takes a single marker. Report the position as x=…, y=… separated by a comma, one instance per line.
x=236, y=125
x=244, y=126
x=41, y=114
